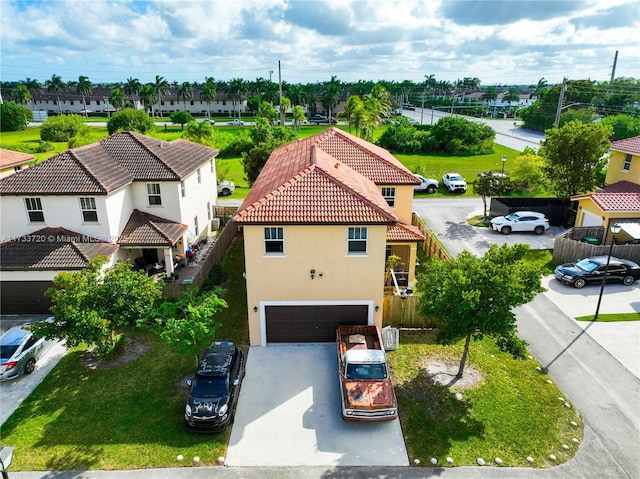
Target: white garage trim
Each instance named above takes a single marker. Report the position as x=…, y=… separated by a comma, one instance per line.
x=264, y=304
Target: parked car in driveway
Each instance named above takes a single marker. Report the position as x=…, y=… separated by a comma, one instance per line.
x=215, y=388
x=591, y=270
x=20, y=350
x=521, y=221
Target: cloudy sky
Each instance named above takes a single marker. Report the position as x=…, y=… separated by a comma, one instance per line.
x=497, y=41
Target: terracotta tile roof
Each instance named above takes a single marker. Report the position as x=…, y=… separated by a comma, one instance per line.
x=52, y=249
x=614, y=201
x=401, y=232
x=144, y=229
x=102, y=167
x=621, y=187
x=628, y=145
x=10, y=158
x=329, y=177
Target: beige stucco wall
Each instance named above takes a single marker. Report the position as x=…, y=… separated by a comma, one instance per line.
x=615, y=172
x=403, y=207
x=339, y=277
x=610, y=217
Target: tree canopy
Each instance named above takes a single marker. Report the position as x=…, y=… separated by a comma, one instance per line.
x=474, y=296
x=573, y=156
x=13, y=117
x=130, y=120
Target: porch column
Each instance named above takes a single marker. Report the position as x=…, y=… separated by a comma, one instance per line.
x=168, y=261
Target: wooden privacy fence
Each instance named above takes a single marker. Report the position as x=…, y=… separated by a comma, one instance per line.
x=569, y=246
x=215, y=255
x=402, y=312
x=431, y=245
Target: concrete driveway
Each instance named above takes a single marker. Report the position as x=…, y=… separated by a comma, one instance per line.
x=289, y=414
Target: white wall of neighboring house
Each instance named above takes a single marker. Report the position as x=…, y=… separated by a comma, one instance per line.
x=170, y=193
x=197, y=195
x=118, y=205
x=29, y=275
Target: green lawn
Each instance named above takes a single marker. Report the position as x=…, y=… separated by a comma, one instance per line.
x=514, y=412
x=124, y=418
x=611, y=318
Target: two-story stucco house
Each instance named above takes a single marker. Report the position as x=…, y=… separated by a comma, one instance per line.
x=619, y=200
x=319, y=223
x=128, y=197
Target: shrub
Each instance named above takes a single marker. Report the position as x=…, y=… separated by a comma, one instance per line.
x=63, y=128
x=13, y=117
x=130, y=120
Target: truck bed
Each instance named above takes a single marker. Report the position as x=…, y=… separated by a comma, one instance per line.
x=358, y=337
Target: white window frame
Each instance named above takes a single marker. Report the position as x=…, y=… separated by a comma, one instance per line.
x=626, y=164
x=183, y=189
x=273, y=236
x=88, y=205
x=211, y=165
x=154, y=191
x=209, y=211
x=34, y=207
x=195, y=226
x=199, y=173
x=355, y=237
x=389, y=194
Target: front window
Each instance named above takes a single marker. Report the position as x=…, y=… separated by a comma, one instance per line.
x=389, y=196
x=626, y=166
x=274, y=240
x=153, y=192
x=34, y=209
x=89, y=210
x=357, y=240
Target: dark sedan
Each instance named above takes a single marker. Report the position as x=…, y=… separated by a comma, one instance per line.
x=591, y=270
x=215, y=388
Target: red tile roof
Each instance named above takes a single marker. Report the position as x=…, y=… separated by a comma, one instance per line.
x=144, y=229
x=614, y=201
x=401, y=232
x=621, y=187
x=628, y=145
x=10, y=158
x=102, y=167
x=52, y=249
x=329, y=177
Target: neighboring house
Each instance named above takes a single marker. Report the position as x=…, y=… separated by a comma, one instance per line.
x=128, y=197
x=13, y=161
x=319, y=223
x=619, y=200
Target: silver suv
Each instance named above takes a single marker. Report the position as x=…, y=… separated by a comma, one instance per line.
x=19, y=351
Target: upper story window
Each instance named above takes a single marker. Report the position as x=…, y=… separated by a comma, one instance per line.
x=17, y=168
x=153, y=192
x=199, y=176
x=274, y=240
x=183, y=189
x=195, y=225
x=357, y=240
x=626, y=166
x=211, y=165
x=89, y=210
x=34, y=210
x=389, y=195
x=209, y=211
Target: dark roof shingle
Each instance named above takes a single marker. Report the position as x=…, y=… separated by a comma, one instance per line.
x=144, y=229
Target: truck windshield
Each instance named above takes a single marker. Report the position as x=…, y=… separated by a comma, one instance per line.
x=366, y=371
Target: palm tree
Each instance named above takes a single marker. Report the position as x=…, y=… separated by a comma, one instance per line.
x=298, y=116
x=513, y=94
x=34, y=87
x=236, y=89
x=132, y=87
x=22, y=94
x=84, y=88
x=185, y=91
x=352, y=105
x=331, y=96
x=541, y=87
x=199, y=132
x=117, y=99
x=285, y=104
x=208, y=93
x=149, y=96
x=162, y=88
x=56, y=86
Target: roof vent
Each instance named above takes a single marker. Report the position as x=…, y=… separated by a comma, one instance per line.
x=336, y=165
x=161, y=144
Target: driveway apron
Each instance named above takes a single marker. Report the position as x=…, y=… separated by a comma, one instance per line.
x=289, y=414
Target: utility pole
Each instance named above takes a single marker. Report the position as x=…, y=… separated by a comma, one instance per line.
x=560, y=100
x=613, y=69
x=280, y=91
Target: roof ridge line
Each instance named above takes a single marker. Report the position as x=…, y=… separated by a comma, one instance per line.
x=150, y=222
x=134, y=136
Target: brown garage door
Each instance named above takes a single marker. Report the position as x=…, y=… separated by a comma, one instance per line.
x=304, y=324
x=24, y=297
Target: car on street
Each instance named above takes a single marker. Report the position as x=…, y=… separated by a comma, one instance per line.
x=454, y=182
x=215, y=388
x=592, y=270
x=235, y=122
x=317, y=119
x=521, y=221
x=211, y=121
x=20, y=349
x=426, y=184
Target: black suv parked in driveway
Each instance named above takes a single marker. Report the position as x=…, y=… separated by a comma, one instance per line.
x=215, y=388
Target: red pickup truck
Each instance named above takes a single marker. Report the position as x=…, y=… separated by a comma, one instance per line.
x=365, y=379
